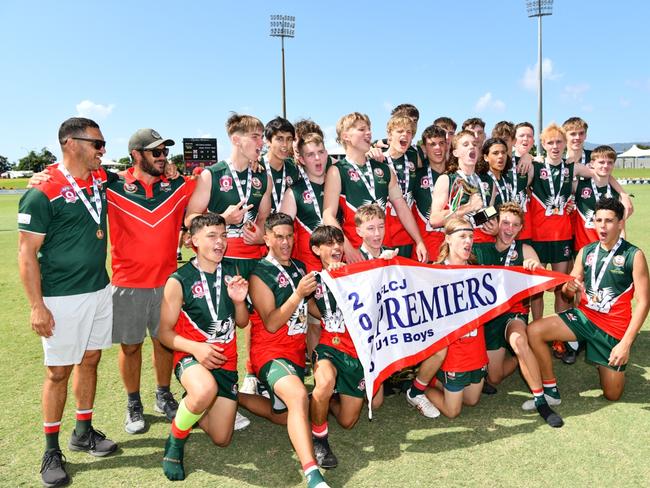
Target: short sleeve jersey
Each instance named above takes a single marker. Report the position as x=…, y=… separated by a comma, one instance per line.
x=610, y=306
x=195, y=322
x=72, y=258
x=355, y=193
x=333, y=333
x=143, y=217
x=288, y=342
x=224, y=193
x=583, y=223
x=307, y=219
x=551, y=222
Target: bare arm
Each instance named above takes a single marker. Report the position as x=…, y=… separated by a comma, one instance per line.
x=30, y=274
x=574, y=287
x=531, y=260
x=621, y=352
x=440, y=214
x=406, y=217
x=288, y=204
x=198, y=203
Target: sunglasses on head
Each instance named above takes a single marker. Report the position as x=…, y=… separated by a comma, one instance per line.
x=157, y=152
x=98, y=143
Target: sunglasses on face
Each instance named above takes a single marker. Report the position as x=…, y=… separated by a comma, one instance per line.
x=157, y=152
x=97, y=143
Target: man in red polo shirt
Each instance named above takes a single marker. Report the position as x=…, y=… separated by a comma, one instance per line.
x=145, y=212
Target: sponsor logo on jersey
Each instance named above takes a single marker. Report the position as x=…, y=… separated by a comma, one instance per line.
x=379, y=172
x=235, y=389
x=257, y=183
x=571, y=316
x=307, y=197
x=289, y=180
x=225, y=183
x=618, y=260
x=165, y=186
x=197, y=290
x=68, y=194
x=24, y=218
x=353, y=175
x=130, y=187
x=543, y=174
x=425, y=182
x=283, y=282
x=586, y=193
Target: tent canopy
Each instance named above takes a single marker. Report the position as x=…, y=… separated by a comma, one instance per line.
x=635, y=152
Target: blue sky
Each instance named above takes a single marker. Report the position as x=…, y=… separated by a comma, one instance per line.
x=181, y=67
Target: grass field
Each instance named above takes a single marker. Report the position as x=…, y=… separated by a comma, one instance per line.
x=493, y=444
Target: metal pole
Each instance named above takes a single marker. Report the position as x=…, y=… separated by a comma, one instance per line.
x=284, y=98
x=539, y=86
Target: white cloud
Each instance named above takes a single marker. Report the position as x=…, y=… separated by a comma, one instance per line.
x=576, y=92
x=488, y=102
x=90, y=109
x=529, y=81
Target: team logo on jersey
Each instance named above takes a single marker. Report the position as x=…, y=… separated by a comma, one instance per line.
x=283, y=281
x=411, y=166
x=307, y=197
x=514, y=255
x=225, y=183
x=379, y=172
x=586, y=193
x=590, y=259
x=425, y=182
x=257, y=183
x=318, y=293
x=68, y=194
x=289, y=180
x=353, y=175
x=543, y=174
x=618, y=260
x=362, y=385
x=165, y=186
x=130, y=187
x=197, y=290
x=485, y=186
x=565, y=172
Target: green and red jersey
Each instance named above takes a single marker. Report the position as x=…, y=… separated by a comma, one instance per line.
x=309, y=206
x=72, y=258
x=224, y=193
x=288, y=342
x=144, y=221
x=282, y=180
x=195, y=321
x=404, y=169
x=550, y=221
x=333, y=331
x=583, y=217
x=609, y=306
x=424, y=181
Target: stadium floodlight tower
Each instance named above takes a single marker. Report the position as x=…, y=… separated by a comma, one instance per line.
x=283, y=26
x=539, y=8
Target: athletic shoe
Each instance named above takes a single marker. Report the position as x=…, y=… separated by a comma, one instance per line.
x=315, y=480
x=134, y=422
x=569, y=357
x=249, y=385
x=529, y=405
x=423, y=405
x=173, y=460
x=165, y=403
x=93, y=442
x=52, y=469
x=241, y=422
x=323, y=452
x=488, y=389
x=179, y=256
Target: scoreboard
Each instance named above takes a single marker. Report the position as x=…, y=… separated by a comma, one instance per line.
x=199, y=152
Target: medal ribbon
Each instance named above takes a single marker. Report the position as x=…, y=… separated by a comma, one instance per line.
x=370, y=182
x=249, y=179
x=302, y=305
x=283, y=186
x=213, y=308
x=95, y=213
x=595, y=281
x=310, y=189
x=510, y=253
x=551, y=185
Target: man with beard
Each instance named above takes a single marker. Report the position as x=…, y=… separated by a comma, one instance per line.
x=145, y=212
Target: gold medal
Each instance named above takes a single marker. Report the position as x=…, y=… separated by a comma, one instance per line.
x=336, y=340
x=302, y=317
x=556, y=211
x=99, y=234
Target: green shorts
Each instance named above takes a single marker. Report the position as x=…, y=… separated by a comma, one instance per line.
x=226, y=380
x=599, y=344
x=495, y=330
x=455, y=382
x=553, y=251
x=272, y=371
x=244, y=266
x=404, y=251
x=349, y=371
